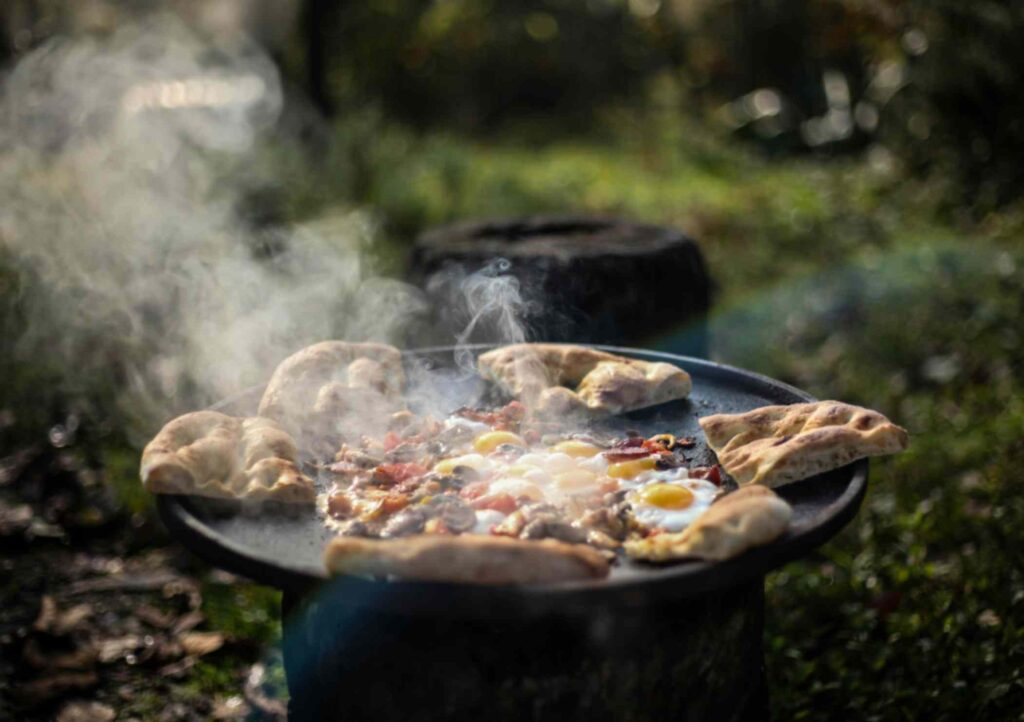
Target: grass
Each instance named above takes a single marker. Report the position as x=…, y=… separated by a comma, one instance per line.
x=837, y=277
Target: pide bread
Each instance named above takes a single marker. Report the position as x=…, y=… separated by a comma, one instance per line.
x=562, y=379
x=206, y=453
x=773, y=445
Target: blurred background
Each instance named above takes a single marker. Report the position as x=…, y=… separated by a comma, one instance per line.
x=193, y=189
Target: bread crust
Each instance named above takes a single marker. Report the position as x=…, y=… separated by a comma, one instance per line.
x=564, y=380
x=774, y=445
x=746, y=518
x=468, y=559
x=206, y=453
x=313, y=392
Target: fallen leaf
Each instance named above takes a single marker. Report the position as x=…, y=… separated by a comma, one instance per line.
x=132, y=583
x=40, y=690
x=176, y=670
x=69, y=620
x=14, y=520
x=47, y=614
x=197, y=644
x=231, y=708
x=187, y=622
x=154, y=617
x=110, y=650
x=82, y=657
x=86, y=712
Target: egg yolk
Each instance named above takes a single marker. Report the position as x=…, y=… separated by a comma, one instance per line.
x=447, y=466
x=576, y=479
x=667, y=496
x=576, y=449
x=629, y=469
x=491, y=440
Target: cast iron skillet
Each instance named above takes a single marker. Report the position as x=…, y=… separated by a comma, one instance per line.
x=285, y=553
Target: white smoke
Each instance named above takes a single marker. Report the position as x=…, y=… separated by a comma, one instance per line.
x=121, y=222
x=486, y=306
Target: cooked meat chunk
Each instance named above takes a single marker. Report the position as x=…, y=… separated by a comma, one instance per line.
x=552, y=528
x=605, y=520
x=407, y=521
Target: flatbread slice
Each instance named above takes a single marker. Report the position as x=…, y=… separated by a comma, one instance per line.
x=210, y=454
x=749, y=517
x=774, y=445
x=333, y=389
x=469, y=559
x=567, y=380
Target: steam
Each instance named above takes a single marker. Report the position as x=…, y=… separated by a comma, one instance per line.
x=134, y=268
x=487, y=305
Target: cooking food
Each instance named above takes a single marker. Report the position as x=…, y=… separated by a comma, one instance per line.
x=536, y=490
x=774, y=445
x=749, y=517
x=206, y=453
x=485, y=475
x=561, y=380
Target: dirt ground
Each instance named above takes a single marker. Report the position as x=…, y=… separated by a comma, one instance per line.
x=103, y=617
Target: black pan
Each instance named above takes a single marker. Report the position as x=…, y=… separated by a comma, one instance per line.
x=285, y=553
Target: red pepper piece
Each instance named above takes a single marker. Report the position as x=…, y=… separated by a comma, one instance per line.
x=474, y=490
x=391, y=440
x=397, y=473
x=502, y=502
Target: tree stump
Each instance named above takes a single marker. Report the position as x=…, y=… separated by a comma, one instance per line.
x=583, y=279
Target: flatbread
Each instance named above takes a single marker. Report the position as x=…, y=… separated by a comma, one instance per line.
x=324, y=391
x=471, y=559
x=564, y=380
x=206, y=453
x=774, y=445
x=749, y=517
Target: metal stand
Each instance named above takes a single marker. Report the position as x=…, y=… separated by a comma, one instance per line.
x=696, y=659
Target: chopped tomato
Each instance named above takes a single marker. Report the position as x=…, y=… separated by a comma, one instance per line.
x=474, y=490
x=654, y=447
x=504, y=503
x=514, y=410
x=397, y=473
x=506, y=418
x=393, y=502
x=711, y=473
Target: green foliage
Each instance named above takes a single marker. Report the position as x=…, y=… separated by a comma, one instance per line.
x=243, y=610
x=959, y=115
x=478, y=63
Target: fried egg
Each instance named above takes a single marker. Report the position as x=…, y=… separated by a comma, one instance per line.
x=666, y=501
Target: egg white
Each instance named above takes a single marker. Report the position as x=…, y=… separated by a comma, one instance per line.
x=672, y=520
